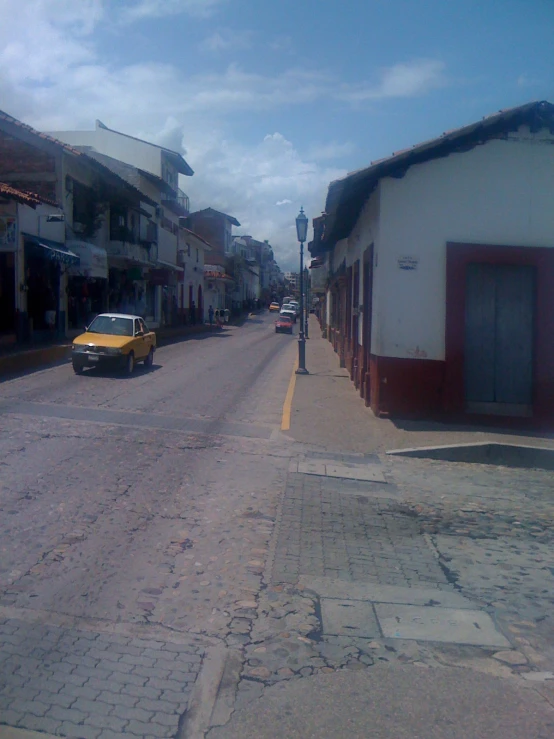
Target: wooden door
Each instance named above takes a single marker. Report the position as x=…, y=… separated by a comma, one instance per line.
x=499, y=339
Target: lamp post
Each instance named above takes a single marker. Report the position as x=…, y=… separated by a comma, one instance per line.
x=301, y=232
x=307, y=302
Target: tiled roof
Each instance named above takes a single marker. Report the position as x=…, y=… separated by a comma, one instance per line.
x=23, y=196
x=347, y=196
x=5, y=117
x=193, y=233
x=213, y=275
x=232, y=219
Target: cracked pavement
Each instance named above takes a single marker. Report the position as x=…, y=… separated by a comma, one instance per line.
x=148, y=521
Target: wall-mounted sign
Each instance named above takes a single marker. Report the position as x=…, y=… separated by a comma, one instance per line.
x=409, y=263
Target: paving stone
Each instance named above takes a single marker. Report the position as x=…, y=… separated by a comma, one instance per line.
x=80, y=731
x=348, y=618
x=439, y=625
x=66, y=714
x=149, y=729
x=132, y=714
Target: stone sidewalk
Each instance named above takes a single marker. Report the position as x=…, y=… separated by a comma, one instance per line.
x=87, y=684
x=387, y=573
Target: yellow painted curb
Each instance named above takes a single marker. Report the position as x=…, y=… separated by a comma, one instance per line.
x=285, y=421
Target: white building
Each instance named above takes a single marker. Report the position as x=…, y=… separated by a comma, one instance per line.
x=441, y=264
x=155, y=171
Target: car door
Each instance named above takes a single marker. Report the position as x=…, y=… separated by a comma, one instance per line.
x=148, y=336
x=140, y=346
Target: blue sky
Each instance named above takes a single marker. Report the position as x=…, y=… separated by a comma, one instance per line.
x=272, y=100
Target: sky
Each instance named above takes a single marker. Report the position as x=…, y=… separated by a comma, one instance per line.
x=271, y=101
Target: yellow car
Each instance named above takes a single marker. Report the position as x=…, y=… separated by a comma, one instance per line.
x=274, y=306
x=114, y=339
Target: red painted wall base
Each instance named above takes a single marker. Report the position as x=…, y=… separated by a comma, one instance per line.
x=408, y=388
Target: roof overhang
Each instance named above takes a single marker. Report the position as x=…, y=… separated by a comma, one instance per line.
x=346, y=197
x=178, y=162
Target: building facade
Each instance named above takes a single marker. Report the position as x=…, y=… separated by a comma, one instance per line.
x=151, y=279
x=441, y=273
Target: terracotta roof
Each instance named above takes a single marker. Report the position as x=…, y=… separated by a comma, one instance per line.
x=219, y=213
x=213, y=275
x=24, y=196
x=346, y=197
x=69, y=149
x=193, y=233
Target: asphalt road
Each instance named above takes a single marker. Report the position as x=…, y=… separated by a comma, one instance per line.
x=142, y=502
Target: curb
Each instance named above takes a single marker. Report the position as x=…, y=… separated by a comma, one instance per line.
x=34, y=359
x=213, y=696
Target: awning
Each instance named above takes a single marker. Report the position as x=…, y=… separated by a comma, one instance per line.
x=54, y=250
x=94, y=260
x=169, y=265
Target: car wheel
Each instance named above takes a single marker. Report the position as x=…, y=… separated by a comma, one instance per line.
x=130, y=363
x=149, y=361
x=77, y=367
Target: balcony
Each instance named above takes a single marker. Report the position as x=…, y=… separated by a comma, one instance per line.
x=179, y=205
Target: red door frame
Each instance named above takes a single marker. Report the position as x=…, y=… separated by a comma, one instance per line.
x=458, y=256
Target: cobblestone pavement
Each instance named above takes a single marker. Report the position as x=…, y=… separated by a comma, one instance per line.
x=81, y=683
x=456, y=530
x=135, y=520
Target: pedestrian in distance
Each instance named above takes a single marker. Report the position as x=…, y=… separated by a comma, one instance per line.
x=210, y=315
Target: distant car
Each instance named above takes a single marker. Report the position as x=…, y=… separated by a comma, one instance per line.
x=274, y=306
x=296, y=305
x=115, y=339
x=288, y=310
x=283, y=325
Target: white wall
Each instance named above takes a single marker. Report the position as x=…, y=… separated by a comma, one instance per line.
x=364, y=233
x=499, y=193
x=140, y=154
x=167, y=246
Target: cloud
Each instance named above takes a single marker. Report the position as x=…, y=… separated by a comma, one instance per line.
x=144, y=9
x=525, y=81
x=400, y=81
x=66, y=83
x=225, y=39
x=330, y=150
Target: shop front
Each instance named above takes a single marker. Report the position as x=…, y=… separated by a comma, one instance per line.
x=87, y=287
x=46, y=264
x=166, y=279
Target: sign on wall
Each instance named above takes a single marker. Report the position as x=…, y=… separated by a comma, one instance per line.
x=408, y=262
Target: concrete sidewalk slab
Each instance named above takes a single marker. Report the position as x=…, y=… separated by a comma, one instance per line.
x=402, y=702
x=328, y=412
x=328, y=587
x=450, y=625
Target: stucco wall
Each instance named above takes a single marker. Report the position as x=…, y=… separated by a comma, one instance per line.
x=498, y=193
x=140, y=154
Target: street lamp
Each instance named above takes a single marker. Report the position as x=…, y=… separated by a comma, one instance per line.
x=301, y=232
x=307, y=303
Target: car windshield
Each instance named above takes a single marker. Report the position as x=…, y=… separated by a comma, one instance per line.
x=113, y=325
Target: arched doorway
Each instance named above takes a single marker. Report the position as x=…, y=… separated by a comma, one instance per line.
x=200, y=306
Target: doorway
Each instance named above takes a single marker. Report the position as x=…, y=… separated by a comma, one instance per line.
x=7, y=293
x=499, y=339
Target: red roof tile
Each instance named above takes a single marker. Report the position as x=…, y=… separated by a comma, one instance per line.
x=24, y=196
